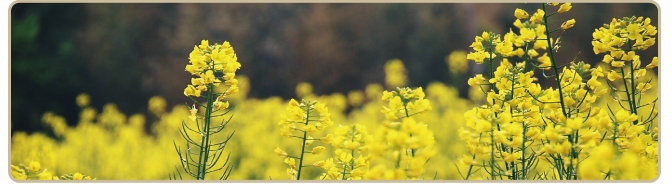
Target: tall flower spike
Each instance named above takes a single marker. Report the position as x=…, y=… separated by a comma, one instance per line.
x=209, y=64
x=312, y=117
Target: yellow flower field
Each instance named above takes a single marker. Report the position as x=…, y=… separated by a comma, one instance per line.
x=594, y=122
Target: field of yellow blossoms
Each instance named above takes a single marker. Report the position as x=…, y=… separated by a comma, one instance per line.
x=595, y=122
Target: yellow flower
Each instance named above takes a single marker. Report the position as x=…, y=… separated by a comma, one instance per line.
x=232, y=90
x=281, y=153
x=320, y=163
x=521, y=14
x=292, y=173
x=192, y=91
x=204, y=44
x=565, y=7
x=310, y=128
x=568, y=24
x=653, y=64
x=318, y=150
x=623, y=116
x=538, y=17
x=607, y=58
x=485, y=36
x=77, y=176
x=353, y=145
x=613, y=75
x=396, y=104
x=19, y=175
x=483, y=126
x=478, y=57
x=286, y=131
x=618, y=64
x=641, y=87
x=415, y=167
x=345, y=157
x=518, y=24
x=291, y=162
x=387, y=95
x=545, y=62
x=574, y=123
x=510, y=157
x=327, y=139
x=34, y=166
x=593, y=82
x=45, y=176
x=477, y=80
x=468, y=160
x=208, y=77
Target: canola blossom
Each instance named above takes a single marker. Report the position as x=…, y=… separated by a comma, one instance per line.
x=529, y=132
x=529, y=116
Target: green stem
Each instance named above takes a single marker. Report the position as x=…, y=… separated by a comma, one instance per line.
x=303, y=146
x=627, y=90
x=555, y=68
x=633, y=103
x=205, y=139
x=492, y=153
x=523, y=164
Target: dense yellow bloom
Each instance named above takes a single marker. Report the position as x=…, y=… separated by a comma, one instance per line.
x=516, y=120
x=205, y=60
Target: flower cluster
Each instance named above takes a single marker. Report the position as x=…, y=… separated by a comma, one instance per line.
x=35, y=171
x=615, y=39
x=524, y=124
x=296, y=113
x=301, y=113
x=530, y=39
x=349, y=163
x=401, y=139
x=206, y=60
x=619, y=32
x=404, y=102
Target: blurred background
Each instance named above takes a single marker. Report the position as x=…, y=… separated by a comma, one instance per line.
x=126, y=53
